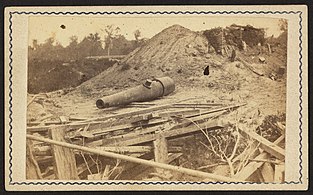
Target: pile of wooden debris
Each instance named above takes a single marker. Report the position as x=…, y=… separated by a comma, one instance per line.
x=126, y=145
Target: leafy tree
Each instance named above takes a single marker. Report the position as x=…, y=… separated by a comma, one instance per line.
x=111, y=32
x=137, y=34
x=283, y=24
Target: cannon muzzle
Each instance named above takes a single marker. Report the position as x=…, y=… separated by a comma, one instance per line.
x=149, y=90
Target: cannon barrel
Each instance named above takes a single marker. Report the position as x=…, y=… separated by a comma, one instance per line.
x=149, y=90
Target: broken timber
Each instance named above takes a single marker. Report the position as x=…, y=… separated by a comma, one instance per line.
x=210, y=125
x=160, y=150
x=99, y=123
x=135, y=160
x=248, y=170
x=64, y=159
x=266, y=145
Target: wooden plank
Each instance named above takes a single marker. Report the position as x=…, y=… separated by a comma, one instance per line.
x=136, y=149
x=194, y=119
x=183, y=170
x=64, y=119
x=179, y=112
x=64, y=159
x=30, y=101
x=279, y=175
x=267, y=172
x=266, y=145
x=160, y=150
x=32, y=168
x=249, y=67
x=44, y=128
x=179, y=105
x=127, y=149
x=81, y=124
x=45, y=123
x=248, y=170
x=44, y=159
x=99, y=132
x=170, y=134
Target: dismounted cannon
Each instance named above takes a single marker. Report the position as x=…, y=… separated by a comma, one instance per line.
x=149, y=90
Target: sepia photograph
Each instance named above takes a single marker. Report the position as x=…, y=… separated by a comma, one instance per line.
x=156, y=98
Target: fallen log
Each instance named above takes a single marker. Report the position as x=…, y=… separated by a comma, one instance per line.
x=136, y=160
x=249, y=67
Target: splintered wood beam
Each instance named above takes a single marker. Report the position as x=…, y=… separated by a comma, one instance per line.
x=135, y=160
x=266, y=145
x=160, y=150
x=267, y=172
x=64, y=159
x=251, y=167
x=170, y=134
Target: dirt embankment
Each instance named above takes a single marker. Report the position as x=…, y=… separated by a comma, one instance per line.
x=51, y=75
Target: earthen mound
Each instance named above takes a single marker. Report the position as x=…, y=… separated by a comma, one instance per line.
x=176, y=52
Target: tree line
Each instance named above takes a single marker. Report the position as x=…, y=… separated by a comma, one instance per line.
x=92, y=45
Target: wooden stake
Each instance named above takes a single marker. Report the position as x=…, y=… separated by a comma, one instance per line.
x=160, y=151
x=64, y=159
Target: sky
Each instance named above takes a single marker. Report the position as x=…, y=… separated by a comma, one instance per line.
x=43, y=27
